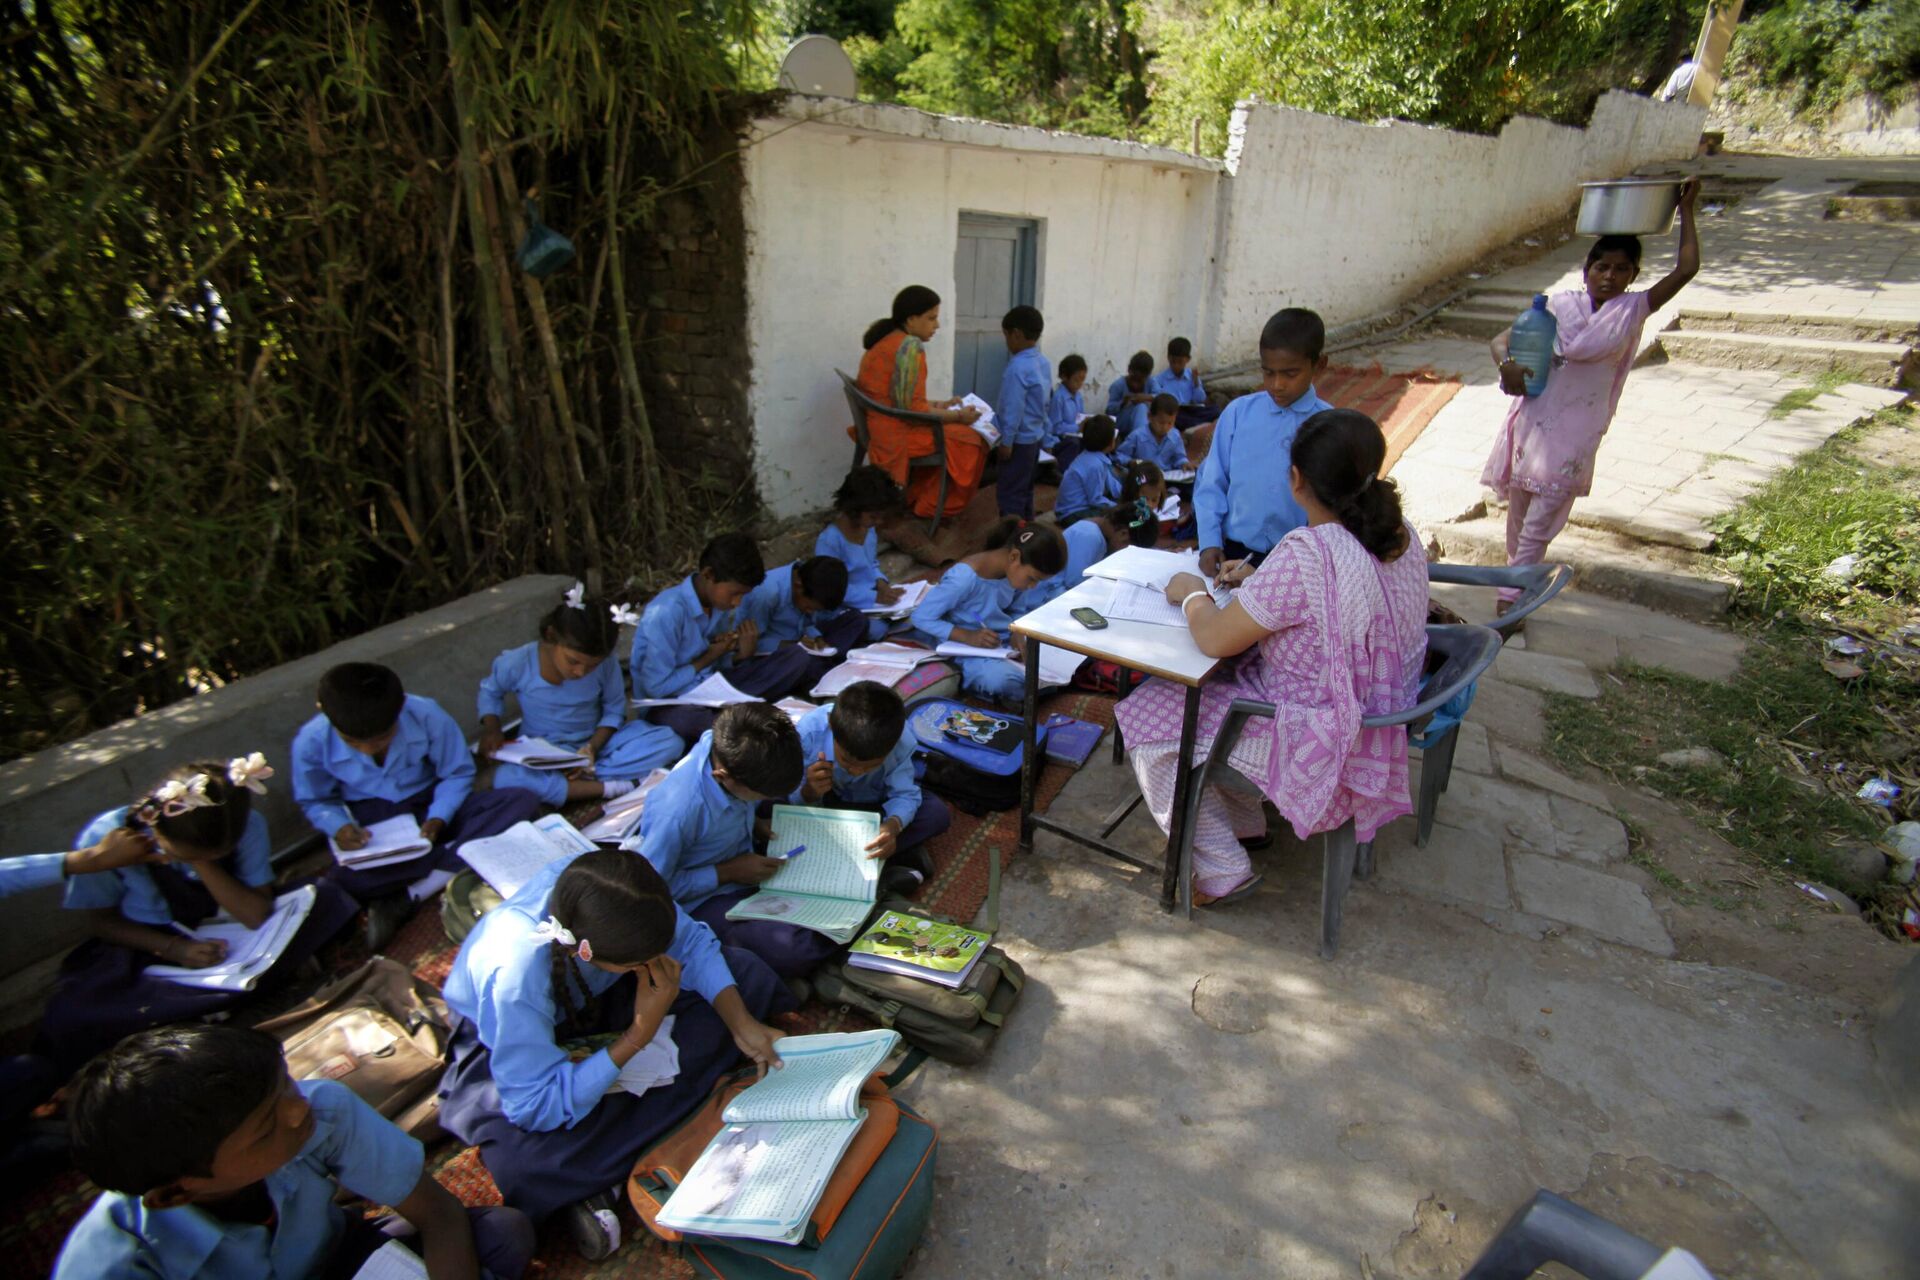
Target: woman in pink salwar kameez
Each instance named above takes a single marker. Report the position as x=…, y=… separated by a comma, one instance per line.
x=1543, y=457
x=1330, y=627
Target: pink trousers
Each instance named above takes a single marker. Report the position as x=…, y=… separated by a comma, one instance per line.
x=1533, y=521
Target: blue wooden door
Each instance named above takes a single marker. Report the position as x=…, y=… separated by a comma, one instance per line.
x=993, y=270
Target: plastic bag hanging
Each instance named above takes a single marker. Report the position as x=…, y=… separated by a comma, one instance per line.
x=543, y=250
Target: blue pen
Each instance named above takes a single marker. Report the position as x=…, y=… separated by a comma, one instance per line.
x=794, y=852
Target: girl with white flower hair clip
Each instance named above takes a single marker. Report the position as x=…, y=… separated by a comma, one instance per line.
x=593, y=1016
x=571, y=696
x=211, y=855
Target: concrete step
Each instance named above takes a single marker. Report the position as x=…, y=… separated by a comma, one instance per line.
x=1880, y=363
x=1665, y=579
x=1835, y=328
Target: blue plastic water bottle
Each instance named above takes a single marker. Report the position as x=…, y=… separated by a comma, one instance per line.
x=1532, y=343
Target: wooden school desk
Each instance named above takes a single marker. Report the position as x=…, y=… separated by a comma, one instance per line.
x=1168, y=652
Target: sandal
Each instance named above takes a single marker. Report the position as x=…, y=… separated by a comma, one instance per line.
x=1242, y=890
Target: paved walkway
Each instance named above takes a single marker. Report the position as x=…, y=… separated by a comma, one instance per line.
x=1689, y=440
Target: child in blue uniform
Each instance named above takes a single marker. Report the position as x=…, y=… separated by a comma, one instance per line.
x=801, y=607
x=1242, y=496
x=1088, y=542
x=1021, y=410
x=1159, y=443
x=216, y=1166
x=859, y=756
x=698, y=830
x=1183, y=384
x=558, y=989
x=1091, y=481
x=1065, y=407
x=864, y=499
x=573, y=697
x=375, y=752
x=1128, y=397
x=214, y=856
x=693, y=629
x=970, y=603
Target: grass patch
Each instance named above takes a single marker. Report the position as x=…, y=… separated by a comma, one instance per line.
x=1801, y=397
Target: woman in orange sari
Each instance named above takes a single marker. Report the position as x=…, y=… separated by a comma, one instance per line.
x=894, y=371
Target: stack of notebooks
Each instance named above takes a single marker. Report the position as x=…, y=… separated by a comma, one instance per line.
x=916, y=948
x=764, y=1172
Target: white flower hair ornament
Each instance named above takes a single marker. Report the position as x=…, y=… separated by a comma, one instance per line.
x=624, y=615
x=251, y=772
x=577, y=596
x=181, y=795
x=551, y=930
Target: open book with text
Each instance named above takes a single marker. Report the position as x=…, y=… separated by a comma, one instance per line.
x=762, y=1174
x=828, y=882
x=507, y=861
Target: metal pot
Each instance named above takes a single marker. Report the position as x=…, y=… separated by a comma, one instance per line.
x=1628, y=207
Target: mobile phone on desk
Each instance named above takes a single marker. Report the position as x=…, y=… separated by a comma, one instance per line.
x=1089, y=619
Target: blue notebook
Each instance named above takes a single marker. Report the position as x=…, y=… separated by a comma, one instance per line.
x=1071, y=741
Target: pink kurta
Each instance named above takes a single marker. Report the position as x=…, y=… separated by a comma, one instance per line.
x=1548, y=442
x=1348, y=638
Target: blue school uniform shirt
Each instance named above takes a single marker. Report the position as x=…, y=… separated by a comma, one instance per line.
x=1090, y=481
x=892, y=786
x=674, y=630
x=1242, y=491
x=1086, y=547
x=1021, y=410
x=962, y=598
x=1064, y=409
x=1169, y=452
x=502, y=982
x=771, y=608
x=690, y=825
x=352, y=1146
x=132, y=889
x=566, y=713
x=30, y=871
x=862, y=560
x=1126, y=418
x=428, y=750
x=1183, y=386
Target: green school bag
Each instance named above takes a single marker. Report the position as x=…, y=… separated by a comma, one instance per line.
x=953, y=1024
x=465, y=899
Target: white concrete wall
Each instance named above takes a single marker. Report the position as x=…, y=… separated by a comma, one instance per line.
x=849, y=202
x=1351, y=219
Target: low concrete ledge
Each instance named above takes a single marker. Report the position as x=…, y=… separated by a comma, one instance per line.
x=46, y=798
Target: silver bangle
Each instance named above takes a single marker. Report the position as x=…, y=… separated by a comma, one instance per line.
x=1191, y=596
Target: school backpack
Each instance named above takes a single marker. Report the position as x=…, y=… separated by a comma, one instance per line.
x=928, y=680
x=957, y=1025
x=466, y=898
x=976, y=778
x=871, y=1215
x=381, y=1032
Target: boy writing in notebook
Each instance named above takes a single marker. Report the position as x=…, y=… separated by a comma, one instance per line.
x=860, y=756
x=375, y=752
x=1242, y=497
x=691, y=630
x=698, y=831
x=1091, y=481
x=1021, y=410
x=215, y=1164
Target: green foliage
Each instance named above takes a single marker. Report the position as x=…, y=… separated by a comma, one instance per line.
x=1827, y=50
x=1465, y=67
x=267, y=376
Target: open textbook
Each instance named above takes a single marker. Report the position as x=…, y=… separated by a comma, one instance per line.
x=828, y=882
x=507, y=861
x=250, y=952
x=538, y=753
x=714, y=691
x=395, y=840
x=620, y=816
x=762, y=1174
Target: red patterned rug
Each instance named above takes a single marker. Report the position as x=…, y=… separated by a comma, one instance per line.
x=36, y=1222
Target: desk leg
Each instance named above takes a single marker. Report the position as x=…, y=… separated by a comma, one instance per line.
x=1030, y=761
x=1119, y=750
x=1177, y=820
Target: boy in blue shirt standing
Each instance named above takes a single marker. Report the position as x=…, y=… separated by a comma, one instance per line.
x=1242, y=499
x=1091, y=481
x=1128, y=398
x=1180, y=382
x=375, y=752
x=217, y=1166
x=1160, y=443
x=1021, y=410
x=698, y=831
x=1065, y=407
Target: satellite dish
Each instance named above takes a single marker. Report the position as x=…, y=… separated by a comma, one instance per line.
x=818, y=65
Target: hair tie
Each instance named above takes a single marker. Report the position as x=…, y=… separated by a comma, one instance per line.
x=251, y=772
x=551, y=930
x=577, y=595
x=1142, y=513
x=624, y=614
x=177, y=796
